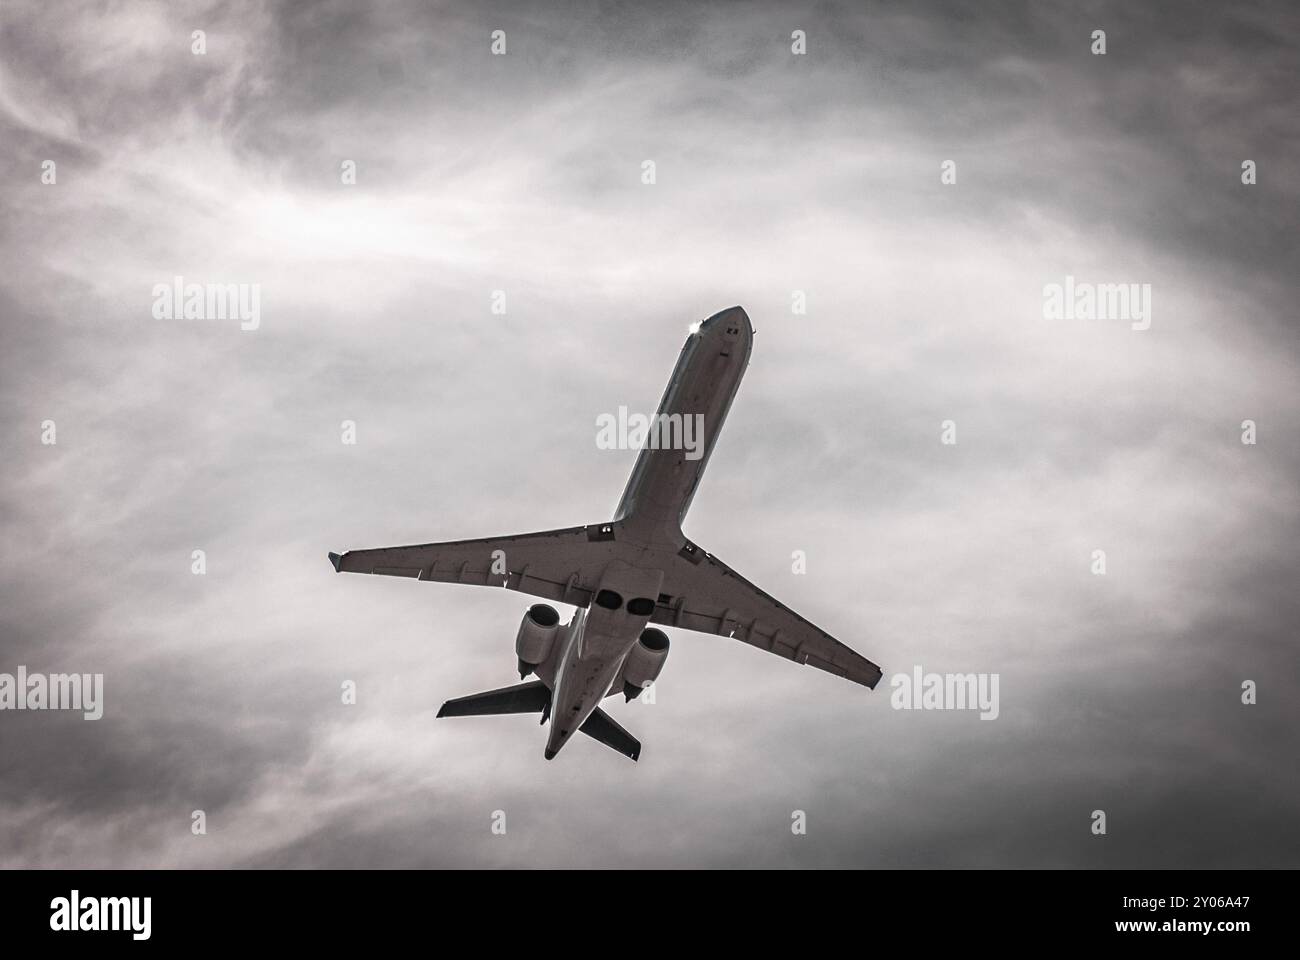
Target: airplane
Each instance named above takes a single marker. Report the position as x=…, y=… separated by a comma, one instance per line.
x=623, y=575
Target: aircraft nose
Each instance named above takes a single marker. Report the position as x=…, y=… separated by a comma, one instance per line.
x=732, y=323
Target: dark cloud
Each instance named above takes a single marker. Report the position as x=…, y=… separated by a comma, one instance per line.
x=774, y=174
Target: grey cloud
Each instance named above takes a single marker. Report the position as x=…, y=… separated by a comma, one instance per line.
x=775, y=173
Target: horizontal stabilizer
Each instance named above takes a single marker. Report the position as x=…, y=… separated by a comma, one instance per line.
x=531, y=697
x=601, y=726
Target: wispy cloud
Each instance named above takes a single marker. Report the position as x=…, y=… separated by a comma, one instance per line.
x=773, y=174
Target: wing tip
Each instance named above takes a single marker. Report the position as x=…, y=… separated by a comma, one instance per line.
x=336, y=560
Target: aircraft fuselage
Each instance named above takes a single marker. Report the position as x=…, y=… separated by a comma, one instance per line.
x=589, y=655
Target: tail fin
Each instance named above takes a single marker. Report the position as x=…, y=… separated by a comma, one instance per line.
x=531, y=697
x=601, y=726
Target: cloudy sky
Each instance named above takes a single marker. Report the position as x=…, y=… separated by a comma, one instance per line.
x=774, y=173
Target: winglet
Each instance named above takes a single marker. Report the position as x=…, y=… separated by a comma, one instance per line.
x=336, y=560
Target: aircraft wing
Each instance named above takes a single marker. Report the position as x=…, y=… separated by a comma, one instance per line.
x=699, y=591
x=560, y=565
x=702, y=593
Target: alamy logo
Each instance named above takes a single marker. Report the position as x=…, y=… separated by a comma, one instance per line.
x=945, y=691
x=1076, y=300
x=57, y=691
x=102, y=913
x=179, y=300
x=663, y=431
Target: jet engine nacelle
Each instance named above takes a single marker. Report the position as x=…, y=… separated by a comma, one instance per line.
x=536, y=637
x=642, y=666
